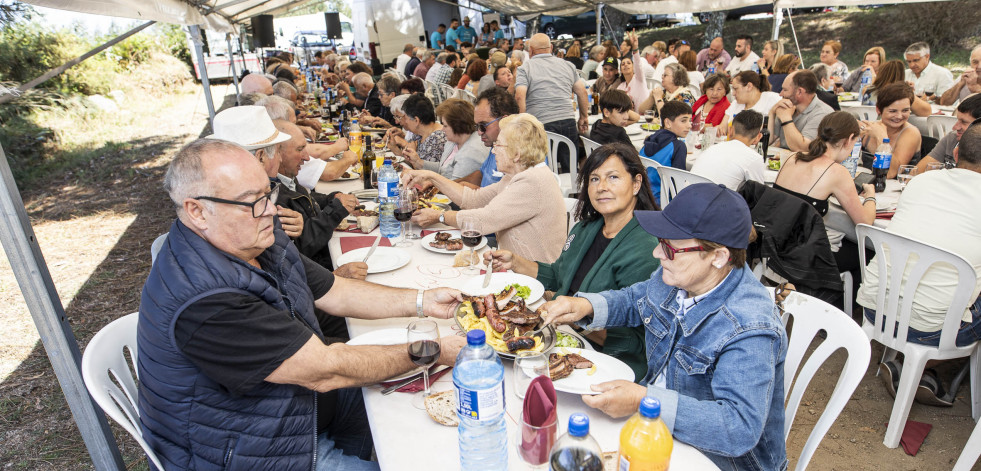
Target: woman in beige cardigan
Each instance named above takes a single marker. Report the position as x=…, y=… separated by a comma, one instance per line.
x=525, y=209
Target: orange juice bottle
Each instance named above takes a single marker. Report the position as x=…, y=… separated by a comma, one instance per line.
x=645, y=442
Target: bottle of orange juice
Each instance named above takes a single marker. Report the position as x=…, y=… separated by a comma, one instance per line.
x=645, y=442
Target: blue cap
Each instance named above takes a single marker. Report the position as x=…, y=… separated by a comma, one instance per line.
x=475, y=337
x=578, y=425
x=650, y=407
x=701, y=211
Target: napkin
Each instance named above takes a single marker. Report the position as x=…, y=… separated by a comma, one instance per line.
x=539, y=409
x=913, y=436
x=417, y=385
x=353, y=243
x=885, y=215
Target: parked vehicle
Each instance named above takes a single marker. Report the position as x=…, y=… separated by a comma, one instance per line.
x=737, y=13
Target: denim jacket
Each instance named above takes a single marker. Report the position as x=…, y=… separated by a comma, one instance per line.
x=722, y=362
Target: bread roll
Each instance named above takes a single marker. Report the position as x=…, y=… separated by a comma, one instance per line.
x=441, y=407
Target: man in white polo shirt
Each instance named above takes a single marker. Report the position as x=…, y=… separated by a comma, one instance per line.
x=744, y=57
x=925, y=75
x=733, y=162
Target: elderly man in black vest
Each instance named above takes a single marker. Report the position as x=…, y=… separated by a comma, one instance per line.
x=233, y=367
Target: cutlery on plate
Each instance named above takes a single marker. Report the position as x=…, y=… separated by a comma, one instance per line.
x=487, y=276
x=372, y=249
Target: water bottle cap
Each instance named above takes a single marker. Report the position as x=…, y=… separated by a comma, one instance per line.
x=475, y=337
x=387, y=162
x=650, y=407
x=578, y=425
x=885, y=140
x=355, y=120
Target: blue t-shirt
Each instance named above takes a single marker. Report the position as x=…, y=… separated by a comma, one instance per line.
x=435, y=39
x=499, y=34
x=451, y=36
x=466, y=34
x=488, y=169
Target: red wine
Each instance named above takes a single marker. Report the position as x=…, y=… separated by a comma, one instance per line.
x=470, y=238
x=424, y=352
x=403, y=216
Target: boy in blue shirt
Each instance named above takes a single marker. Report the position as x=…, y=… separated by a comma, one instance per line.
x=667, y=145
x=437, y=39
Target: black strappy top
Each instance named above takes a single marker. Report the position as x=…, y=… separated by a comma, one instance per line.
x=820, y=205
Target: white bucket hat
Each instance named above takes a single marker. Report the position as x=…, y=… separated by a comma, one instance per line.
x=248, y=126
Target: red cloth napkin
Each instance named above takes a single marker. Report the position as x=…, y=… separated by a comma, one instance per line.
x=885, y=215
x=426, y=232
x=417, y=385
x=538, y=410
x=353, y=243
x=351, y=228
x=913, y=435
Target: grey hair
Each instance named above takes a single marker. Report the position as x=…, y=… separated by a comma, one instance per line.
x=271, y=77
x=918, y=49
x=441, y=58
x=270, y=150
x=276, y=107
x=426, y=55
x=397, y=102
x=284, y=90
x=362, y=78
x=650, y=50
x=821, y=70
x=247, y=99
x=420, y=52
x=389, y=84
x=595, y=52
x=185, y=176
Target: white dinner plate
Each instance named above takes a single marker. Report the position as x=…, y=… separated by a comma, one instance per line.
x=498, y=281
x=607, y=369
x=454, y=235
x=393, y=336
x=634, y=130
x=384, y=259
x=352, y=176
x=568, y=330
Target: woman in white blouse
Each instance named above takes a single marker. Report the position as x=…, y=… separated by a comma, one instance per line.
x=751, y=91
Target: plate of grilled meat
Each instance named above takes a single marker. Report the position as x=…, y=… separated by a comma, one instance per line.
x=573, y=370
x=447, y=242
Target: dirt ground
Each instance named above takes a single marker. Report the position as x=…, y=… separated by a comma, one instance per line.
x=96, y=240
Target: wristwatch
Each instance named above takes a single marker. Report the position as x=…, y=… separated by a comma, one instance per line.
x=442, y=216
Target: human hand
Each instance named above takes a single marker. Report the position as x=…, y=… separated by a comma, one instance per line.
x=583, y=124
x=868, y=191
x=350, y=202
x=618, y=398
x=412, y=158
x=502, y=259
x=417, y=177
x=353, y=271
x=441, y=303
x=426, y=217
x=658, y=93
x=308, y=132
x=970, y=77
x=449, y=348
x=292, y=221
x=784, y=110
x=566, y=310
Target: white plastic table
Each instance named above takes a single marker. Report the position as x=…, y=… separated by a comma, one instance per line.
x=839, y=220
x=405, y=437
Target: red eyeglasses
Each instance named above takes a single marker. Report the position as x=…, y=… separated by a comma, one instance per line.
x=669, y=251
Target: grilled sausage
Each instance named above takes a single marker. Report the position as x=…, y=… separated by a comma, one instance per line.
x=493, y=316
x=520, y=343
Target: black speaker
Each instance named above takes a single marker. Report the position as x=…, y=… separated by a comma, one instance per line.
x=263, y=34
x=333, y=25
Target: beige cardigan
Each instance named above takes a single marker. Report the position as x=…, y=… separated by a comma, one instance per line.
x=525, y=210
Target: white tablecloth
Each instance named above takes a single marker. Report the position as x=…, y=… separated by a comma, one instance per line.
x=839, y=220
x=406, y=438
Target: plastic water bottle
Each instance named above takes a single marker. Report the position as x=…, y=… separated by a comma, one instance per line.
x=754, y=67
x=645, y=442
x=577, y=450
x=711, y=69
x=866, y=79
x=479, y=381
x=880, y=166
x=851, y=162
x=388, y=192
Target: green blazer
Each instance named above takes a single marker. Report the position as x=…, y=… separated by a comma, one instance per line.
x=627, y=260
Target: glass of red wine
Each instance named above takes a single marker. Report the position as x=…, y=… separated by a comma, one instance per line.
x=471, y=238
x=423, y=344
x=404, y=207
x=414, y=198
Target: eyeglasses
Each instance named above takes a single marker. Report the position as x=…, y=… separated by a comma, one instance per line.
x=482, y=127
x=258, y=206
x=669, y=251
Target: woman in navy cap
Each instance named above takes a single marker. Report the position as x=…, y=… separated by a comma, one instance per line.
x=715, y=342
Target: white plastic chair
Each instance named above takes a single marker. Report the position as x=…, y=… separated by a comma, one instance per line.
x=846, y=279
x=446, y=92
x=674, y=180
x=589, y=144
x=894, y=305
x=103, y=362
x=862, y=112
x=570, y=213
x=940, y=125
x=156, y=246
x=467, y=95
x=811, y=315
x=567, y=180
x=971, y=452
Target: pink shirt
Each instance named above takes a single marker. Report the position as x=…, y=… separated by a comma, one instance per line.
x=637, y=87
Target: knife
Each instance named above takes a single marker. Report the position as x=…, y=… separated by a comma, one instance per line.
x=372, y=249
x=403, y=383
x=487, y=276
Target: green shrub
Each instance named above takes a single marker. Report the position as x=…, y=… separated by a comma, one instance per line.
x=27, y=51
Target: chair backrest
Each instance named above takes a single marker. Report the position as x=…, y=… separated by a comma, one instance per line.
x=554, y=141
x=674, y=180
x=570, y=213
x=894, y=299
x=810, y=316
x=109, y=378
x=447, y=91
x=864, y=112
x=695, y=90
x=940, y=125
x=156, y=246
x=589, y=144
x=468, y=96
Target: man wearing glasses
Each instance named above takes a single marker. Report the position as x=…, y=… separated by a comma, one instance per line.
x=234, y=369
x=492, y=105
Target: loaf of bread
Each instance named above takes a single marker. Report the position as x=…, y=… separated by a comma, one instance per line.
x=367, y=224
x=442, y=408
x=462, y=259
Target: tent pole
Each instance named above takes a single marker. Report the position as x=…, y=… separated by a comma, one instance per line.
x=231, y=60
x=34, y=279
x=777, y=20
x=195, y=31
x=599, y=24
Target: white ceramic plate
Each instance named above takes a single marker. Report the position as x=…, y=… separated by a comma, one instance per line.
x=366, y=194
x=454, y=235
x=499, y=280
x=607, y=369
x=352, y=176
x=386, y=337
x=384, y=259
x=634, y=130
x=568, y=330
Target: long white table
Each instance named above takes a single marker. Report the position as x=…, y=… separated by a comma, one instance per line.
x=839, y=220
x=405, y=437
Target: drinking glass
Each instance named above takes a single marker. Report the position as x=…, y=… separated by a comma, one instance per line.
x=534, y=443
x=423, y=345
x=471, y=238
x=414, y=198
x=404, y=207
x=649, y=117
x=906, y=173
x=935, y=166
x=528, y=365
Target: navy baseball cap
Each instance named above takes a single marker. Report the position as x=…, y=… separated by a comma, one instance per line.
x=612, y=62
x=701, y=211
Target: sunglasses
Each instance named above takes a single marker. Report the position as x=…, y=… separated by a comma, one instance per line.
x=482, y=127
x=669, y=251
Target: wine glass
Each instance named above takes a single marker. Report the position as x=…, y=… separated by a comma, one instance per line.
x=649, y=117
x=906, y=173
x=404, y=207
x=422, y=337
x=471, y=238
x=413, y=196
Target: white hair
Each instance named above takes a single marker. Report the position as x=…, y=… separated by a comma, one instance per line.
x=362, y=78
x=276, y=107
x=918, y=49
x=285, y=90
x=397, y=102
x=185, y=176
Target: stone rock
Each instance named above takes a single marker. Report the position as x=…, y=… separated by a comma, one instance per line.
x=102, y=103
x=117, y=95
